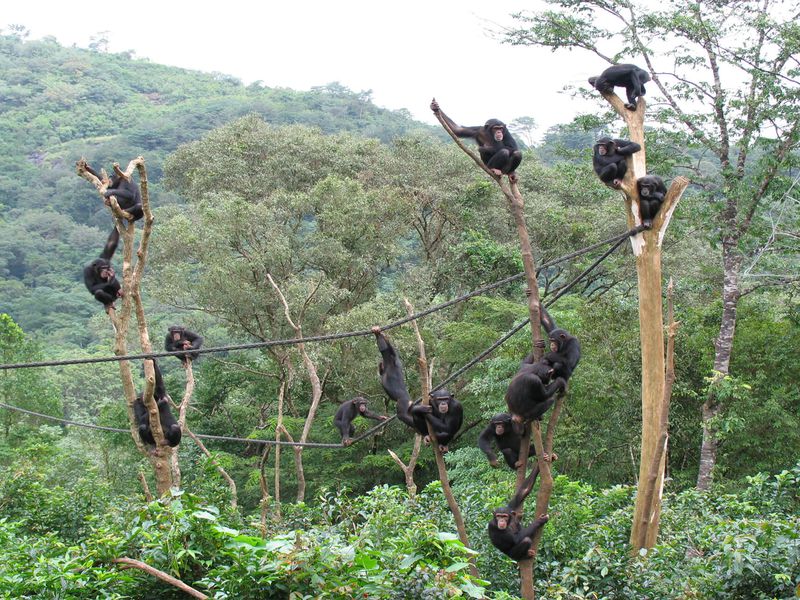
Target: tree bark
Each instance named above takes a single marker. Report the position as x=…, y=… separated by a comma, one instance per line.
x=128, y=563
x=161, y=457
x=316, y=390
x=425, y=383
x=723, y=345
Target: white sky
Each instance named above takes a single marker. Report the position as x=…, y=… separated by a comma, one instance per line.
x=406, y=52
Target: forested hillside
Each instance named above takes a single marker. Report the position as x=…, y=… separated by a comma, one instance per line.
x=58, y=104
x=280, y=215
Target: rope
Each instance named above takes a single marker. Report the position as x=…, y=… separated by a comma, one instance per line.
x=333, y=336
x=452, y=377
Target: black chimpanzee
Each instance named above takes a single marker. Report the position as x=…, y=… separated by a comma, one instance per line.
x=127, y=194
x=631, y=77
x=180, y=338
x=610, y=160
x=651, y=194
x=99, y=275
x=529, y=396
x=169, y=426
x=392, y=377
x=500, y=431
x=347, y=412
x=445, y=414
x=498, y=150
x=565, y=350
x=505, y=530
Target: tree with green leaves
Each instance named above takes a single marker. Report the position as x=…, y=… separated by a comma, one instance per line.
x=726, y=77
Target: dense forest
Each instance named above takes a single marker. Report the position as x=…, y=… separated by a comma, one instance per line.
x=281, y=214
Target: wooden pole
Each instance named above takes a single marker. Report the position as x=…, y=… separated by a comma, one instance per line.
x=647, y=250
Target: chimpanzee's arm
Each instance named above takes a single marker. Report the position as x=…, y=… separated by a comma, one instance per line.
x=485, y=443
x=626, y=147
x=368, y=414
x=123, y=191
x=191, y=336
x=160, y=390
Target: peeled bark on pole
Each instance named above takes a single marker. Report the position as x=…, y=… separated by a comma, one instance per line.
x=161, y=457
x=425, y=383
x=657, y=461
x=647, y=250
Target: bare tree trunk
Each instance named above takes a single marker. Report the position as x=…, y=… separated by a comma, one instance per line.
x=262, y=480
x=408, y=470
x=278, y=428
x=723, y=345
x=425, y=382
x=659, y=457
x=161, y=457
x=316, y=390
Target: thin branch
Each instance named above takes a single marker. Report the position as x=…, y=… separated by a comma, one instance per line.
x=131, y=563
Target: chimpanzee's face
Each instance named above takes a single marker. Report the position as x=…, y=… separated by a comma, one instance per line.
x=362, y=407
x=443, y=406
x=502, y=520
x=499, y=429
x=497, y=132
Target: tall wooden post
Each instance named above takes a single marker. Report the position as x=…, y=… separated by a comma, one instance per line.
x=647, y=250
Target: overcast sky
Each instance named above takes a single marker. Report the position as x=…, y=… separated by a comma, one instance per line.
x=406, y=52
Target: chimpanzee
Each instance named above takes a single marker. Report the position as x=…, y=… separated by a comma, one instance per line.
x=508, y=441
x=350, y=410
x=445, y=414
x=127, y=194
x=610, y=159
x=528, y=397
x=565, y=350
x=392, y=378
x=651, y=194
x=99, y=275
x=169, y=426
x=180, y=338
x=505, y=531
x=631, y=77
x=498, y=150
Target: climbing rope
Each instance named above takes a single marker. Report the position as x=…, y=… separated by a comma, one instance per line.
x=617, y=240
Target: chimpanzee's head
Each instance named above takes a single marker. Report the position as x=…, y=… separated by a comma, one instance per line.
x=497, y=128
x=176, y=332
x=361, y=404
x=440, y=399
x=501, y=423
x=604, y=146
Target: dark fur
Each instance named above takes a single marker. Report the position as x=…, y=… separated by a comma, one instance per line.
x=651, y=195
x=514, y=540
x=128, y=196
x=171, y=344
x=445, y=424
x=501, y=432
x=169, y=425
x=105, y=290
x=631, y=77
x=393, y=380
x=348, y=411
x=504, y=155
x=612, y=166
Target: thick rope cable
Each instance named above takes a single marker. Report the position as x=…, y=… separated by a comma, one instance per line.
x=325, y=337
x=369, y=432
